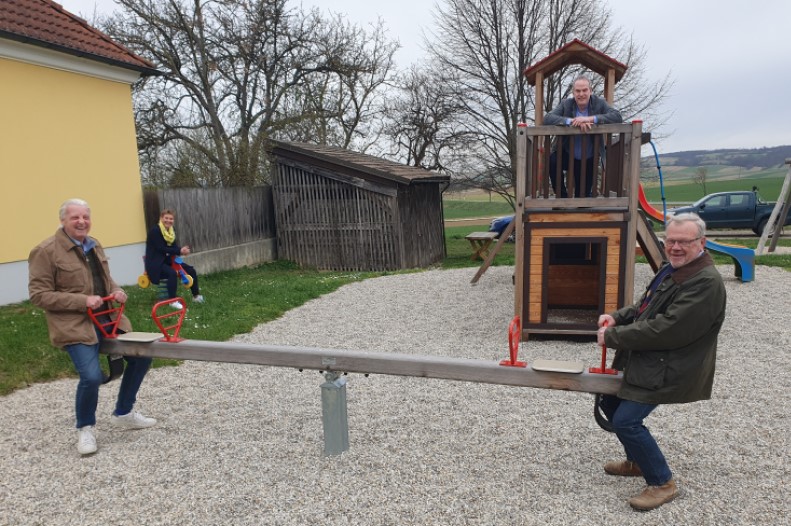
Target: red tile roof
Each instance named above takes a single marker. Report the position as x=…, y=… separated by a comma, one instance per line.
x=576, y=52
x=45, y=23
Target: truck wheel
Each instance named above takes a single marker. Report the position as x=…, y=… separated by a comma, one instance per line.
x=759, y=230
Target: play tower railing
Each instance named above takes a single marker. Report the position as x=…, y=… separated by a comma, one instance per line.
x=610, y=161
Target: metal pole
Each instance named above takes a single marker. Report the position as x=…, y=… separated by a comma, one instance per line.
x=333, y=414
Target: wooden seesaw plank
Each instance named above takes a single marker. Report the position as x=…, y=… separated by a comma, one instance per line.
x=348, y=361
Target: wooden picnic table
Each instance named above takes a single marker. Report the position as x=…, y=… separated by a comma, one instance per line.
x=480, y=242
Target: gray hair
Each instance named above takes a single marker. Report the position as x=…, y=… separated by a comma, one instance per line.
x=71, y=202
x=688, y=217
x=583, y=77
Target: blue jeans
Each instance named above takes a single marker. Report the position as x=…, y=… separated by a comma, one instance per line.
x=627, y=418
x=86, y=361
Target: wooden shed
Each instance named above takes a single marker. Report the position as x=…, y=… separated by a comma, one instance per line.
x=341, y=210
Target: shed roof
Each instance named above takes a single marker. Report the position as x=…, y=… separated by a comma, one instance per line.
x=370, y=165
x=46, y=24
x=575, y=52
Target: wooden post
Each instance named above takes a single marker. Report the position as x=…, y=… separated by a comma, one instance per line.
x=632, y=187
x=539, y=111
x=778, y=217
x=523, y=186
x=609, y=86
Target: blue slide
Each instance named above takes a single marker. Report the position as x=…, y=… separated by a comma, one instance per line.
x=743, y=258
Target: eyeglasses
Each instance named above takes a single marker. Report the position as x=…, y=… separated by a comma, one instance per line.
x=683, y=243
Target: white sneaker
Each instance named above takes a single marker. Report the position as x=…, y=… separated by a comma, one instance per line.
x=86, y=441
x=133, y=420
x=199, y=299
x=177, y=305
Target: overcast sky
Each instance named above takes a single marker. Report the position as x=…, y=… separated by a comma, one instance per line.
x=729, y=58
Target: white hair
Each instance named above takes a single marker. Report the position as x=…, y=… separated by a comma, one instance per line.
x=688, y=217
x=72, y=202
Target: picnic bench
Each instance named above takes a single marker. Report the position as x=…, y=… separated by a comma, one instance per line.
x=480, y=242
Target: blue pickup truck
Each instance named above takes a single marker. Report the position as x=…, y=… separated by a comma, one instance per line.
x=743, y=210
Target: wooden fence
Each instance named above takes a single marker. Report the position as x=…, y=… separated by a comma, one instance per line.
x=213, y=218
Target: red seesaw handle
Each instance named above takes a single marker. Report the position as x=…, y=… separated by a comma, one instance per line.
x=113, y=323
x=171, y=332
x=603, y=369
x=514, y=337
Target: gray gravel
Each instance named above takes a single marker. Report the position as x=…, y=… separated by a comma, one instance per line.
x=243, y=444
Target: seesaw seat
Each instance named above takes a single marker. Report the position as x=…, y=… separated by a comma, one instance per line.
x=558, y=366
x=144, y=337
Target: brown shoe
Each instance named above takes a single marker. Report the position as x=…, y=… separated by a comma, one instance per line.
x=623, y=468
x=654, y=496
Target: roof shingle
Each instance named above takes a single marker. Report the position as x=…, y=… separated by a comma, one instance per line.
x=369, y=164
x=45, y=23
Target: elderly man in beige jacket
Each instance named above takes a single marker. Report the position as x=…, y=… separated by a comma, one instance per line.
x=69, y=274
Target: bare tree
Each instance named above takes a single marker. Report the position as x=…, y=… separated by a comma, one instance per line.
x=422, y=119
x=701, y=175
x=237, y=72
x=489, y=43
x=343, y=105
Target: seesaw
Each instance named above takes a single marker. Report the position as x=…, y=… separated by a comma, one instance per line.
x=334, y=363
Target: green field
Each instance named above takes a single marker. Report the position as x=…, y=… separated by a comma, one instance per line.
x=684, y=190
x=474, y=204
x=679, y=188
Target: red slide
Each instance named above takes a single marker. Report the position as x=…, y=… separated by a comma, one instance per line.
x=646, y=206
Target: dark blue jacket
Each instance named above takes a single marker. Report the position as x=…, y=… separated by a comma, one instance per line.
x=597, y=107
x=158, y=253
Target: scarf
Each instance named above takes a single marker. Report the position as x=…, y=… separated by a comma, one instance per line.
x=168, y=233
x=659, y=278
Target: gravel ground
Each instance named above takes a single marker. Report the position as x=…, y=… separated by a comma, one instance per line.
x=242, y=444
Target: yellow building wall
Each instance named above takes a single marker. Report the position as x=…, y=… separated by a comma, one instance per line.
x=65, y=135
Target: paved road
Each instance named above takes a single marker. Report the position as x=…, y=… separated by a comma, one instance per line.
x=474, y=221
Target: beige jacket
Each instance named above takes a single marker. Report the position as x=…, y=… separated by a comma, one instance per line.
x=60, y=282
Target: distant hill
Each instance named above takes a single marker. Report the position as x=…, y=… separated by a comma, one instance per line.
x=747, y=159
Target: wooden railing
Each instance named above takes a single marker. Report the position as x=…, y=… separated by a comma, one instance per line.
x=556, y=145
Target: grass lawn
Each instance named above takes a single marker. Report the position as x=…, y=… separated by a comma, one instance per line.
x=236, y=301
x=459, y=249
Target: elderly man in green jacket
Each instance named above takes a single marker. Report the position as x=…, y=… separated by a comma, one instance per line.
x=666, y=346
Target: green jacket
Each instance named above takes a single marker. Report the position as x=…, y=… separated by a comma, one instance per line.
x=668, y=352
x=60, y=282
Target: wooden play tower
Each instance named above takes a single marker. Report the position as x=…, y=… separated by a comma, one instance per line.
x=575, y=256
